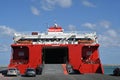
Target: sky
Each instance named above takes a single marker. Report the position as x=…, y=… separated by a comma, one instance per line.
x=101, y=16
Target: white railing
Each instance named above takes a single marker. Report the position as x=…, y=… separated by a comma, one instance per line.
x=64, y=36
x=67, y=32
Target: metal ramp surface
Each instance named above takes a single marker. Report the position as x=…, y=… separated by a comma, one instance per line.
x=52, y=69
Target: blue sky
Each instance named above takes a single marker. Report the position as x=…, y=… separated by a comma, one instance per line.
x=102, y=16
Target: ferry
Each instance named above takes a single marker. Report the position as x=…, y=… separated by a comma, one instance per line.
x=76, y=52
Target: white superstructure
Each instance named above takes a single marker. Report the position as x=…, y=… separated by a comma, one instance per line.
x=56, y=35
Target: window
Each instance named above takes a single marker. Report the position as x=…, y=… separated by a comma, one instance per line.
x=20, y=53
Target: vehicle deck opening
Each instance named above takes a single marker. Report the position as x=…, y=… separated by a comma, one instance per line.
x=55, y=55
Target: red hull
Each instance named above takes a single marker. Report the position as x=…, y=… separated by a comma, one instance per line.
x=82, y=58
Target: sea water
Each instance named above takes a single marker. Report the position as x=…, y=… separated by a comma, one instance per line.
x=109, y=69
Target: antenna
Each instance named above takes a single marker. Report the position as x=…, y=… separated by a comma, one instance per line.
x=55, y=23
x=47, y=25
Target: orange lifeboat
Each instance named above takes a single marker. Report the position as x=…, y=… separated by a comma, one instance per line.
x=86, y=41
x=25, y=42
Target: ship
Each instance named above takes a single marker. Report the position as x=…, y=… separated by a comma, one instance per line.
x=77, y=52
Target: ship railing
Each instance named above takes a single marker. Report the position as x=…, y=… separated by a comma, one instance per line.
x=44, y=33
x=66, y=34
x=66, y=42
x=62, y=41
